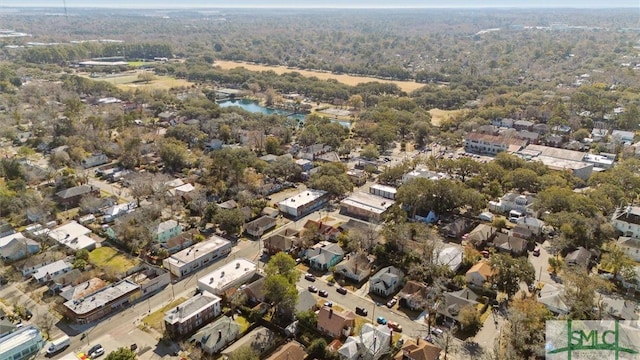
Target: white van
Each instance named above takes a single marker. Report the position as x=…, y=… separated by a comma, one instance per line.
x=58, y=344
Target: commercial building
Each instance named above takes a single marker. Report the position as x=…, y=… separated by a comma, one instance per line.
x=304, y=202
x=491, y=144
x=384, y=191
x=365, y=206
x=197, y=256
x=192, y=314
x=23, y=343
x=103, y=302
x=233, y=274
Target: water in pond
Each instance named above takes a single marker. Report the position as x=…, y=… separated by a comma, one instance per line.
x=252, y=106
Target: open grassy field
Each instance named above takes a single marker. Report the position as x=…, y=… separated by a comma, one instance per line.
x=155, y=319
x=110, y=260
x=438, y=116
x=129, y=80
x=407, y=86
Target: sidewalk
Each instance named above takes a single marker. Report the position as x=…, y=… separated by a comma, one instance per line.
x=490, y=331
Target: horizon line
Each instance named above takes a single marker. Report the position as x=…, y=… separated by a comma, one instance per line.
x=189, y=7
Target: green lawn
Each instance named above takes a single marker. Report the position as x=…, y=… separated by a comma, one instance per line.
x=139, y=63
x=243, y=322
x=155, y=319
x=109, y=259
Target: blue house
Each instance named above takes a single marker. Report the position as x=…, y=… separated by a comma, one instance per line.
x=324, y=255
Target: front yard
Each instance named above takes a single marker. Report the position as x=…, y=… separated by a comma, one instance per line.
x=155, y=319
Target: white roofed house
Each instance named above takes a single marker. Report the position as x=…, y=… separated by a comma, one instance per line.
x=235, y=273
x=197, y=256
x=627, y=221
x=73, y=235
x=303, y=203
x=373, y=342
x=386, y=281
x=49, y=271
x=17, y=247
x=449, y=256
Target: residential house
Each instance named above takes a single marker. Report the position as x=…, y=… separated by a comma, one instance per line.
x=323, y=255
x=386, y=281
x=305, y=165
x=94, y=160
x=554, y=299
x=322, y=230
x=73, y=236
x=554, y=140
x=509, y=244
x=513, y=201
x=311, y=152
x=418, y=349
x=228, y=205
x=255, y=291
x=357, y=268
x=260, y=339
x=620, y=136
x=217, y=335
x=450, y=256
x=306, y=300
x=303, y=203
x=17, y=247
x=47, y=272
x=117, y=210
x=330, y=156
x=29, y=265
x=424, y=174
x=488, y=129
x=627, y=221
x=481, y=235
x=457, y=228
x=336, y=324
x=6, y=229
x=578, y=257
x=358, y=177
x=415, y=296
x=269, y=158
x=521, y=232
x=64, y=281
x=289, y=351
x=373, y=342
x=454, y=302
x=365, y=206
x=617, y=308
x=599, y=134
x=541, y=129
x=6, y=326
x=70, y=198
x=166, y=230
x=259, y=226
x=535, y=225
x=501, y=122
x=529, y=136
x=630, y=246
x=479, y=273
x=522, y=125
x=180, y=242
x=284, y=241
x=192, y=314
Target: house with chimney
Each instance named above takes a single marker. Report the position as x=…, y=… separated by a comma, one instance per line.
x=324, y=255
x=418, y=349
x=373, y=342
x=336, y=324
x=285, y=241
x=415, y=296
x=217, y=335
x=357, y=268
x=386, y=281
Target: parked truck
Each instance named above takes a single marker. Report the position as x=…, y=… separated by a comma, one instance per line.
x=58, y=344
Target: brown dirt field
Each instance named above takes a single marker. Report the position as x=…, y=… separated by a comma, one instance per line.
x=438, y=116
x=407, y=86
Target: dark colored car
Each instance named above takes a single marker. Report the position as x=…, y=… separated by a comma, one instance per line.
x=361, y=311
x=342, y=291
x=323, y=293
x=309, y=277
x=313, y=289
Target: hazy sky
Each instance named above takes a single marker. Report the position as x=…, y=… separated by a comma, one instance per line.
x=325, y=3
